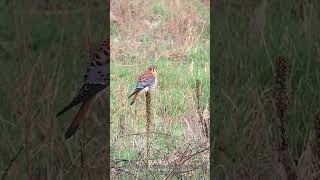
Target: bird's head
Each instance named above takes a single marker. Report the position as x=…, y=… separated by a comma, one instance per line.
x=152, y=69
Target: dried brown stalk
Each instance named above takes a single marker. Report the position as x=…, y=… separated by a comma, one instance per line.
x=25, y=108
x=281, y=103
x=201, y=120
x=148, y=115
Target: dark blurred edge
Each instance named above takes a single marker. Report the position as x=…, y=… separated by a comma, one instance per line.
x=220, y=69
x=212, y=91
x=108, y=97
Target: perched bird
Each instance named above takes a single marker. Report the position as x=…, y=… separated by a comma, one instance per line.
x=96, y=79
x=146, y=82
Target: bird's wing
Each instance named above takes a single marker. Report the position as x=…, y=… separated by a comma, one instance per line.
x=87, y=91
x=96, y=79
x=145, y=81
x=97, y=73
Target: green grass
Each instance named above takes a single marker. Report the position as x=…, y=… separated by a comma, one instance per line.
x=176, y=84
x=34, y=88
x=180, y=62
x=173, y=100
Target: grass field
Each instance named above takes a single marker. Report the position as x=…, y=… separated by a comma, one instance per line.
x=43, y=55
x=173, y=36
x=248, y=37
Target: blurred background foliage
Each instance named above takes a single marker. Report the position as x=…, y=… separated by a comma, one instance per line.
x=44, y=48
x=248, y=37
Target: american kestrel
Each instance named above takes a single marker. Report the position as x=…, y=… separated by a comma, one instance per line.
x=146, y=82
x=95, y=80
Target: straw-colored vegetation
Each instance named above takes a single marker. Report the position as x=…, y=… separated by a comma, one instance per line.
x=43, y=56
x=174, y=36
x=265, y=125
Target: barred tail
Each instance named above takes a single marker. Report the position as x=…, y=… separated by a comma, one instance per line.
x=134, y=98
x=83, y=112
x=132, y=94
x=69, y=106
x=135, y=93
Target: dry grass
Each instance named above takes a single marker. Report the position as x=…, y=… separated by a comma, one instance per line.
x=43, y=51
x=308, y=166
x=174, y=36
x=249, y=36
x=43, y=59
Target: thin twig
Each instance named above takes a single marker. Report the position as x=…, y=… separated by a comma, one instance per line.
x=189, y=170
x=81, y=160
x=138, y=134
x=185, y=160
x=11, y=162
x=122, y=171
x=146, y=163
x=73, y=162
x=55, y=12
x=183, y=154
